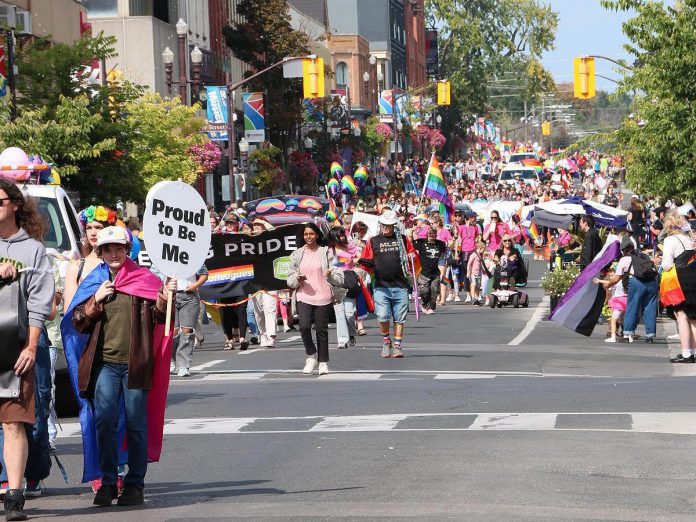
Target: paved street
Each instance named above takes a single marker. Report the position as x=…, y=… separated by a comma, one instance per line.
x=493, y=415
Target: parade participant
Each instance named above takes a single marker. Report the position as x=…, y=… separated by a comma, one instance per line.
x=592, y=243
x=475, y=270
x=345, y=255
x=429, y=250
x=188, y=307
x=445, y=236
x=390, y=254
x=265, y=303
x=24, y=266
x=677, y=251
x=120, y=365
x=495, y=230
x=92, y=219
x=509, y=256
x=468, y=234
x=358, y=237
x=641, y=291
x=312, y=273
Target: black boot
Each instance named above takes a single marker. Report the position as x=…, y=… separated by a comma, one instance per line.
x=14, y=505
x=106, y=495
x=131, y=496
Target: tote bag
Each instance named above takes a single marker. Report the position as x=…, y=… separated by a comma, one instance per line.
x=14, y=322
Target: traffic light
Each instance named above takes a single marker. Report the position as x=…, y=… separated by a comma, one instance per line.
x=313, y=78
x=443, y=92
x=584, y=77
x=546, y=128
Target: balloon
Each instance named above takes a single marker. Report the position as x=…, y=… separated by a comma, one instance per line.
x=333, y=186
x=330, y=216
x=360, y=177
x=14, y=157
x=336, y=170
x=348, y=185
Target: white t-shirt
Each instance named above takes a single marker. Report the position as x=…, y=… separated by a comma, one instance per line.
x=673, y=247
x=624, y=265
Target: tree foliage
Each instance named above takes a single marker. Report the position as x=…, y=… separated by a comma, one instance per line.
x=486, y=41
x=262, y=39
x=658, y=142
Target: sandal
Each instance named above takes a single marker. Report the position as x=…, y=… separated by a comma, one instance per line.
x=228, y=346
x=362, y=331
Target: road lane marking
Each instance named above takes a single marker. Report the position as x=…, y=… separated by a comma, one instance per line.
x=291, y=339
x=539, y=312
x=459, y=376
x=203, y=366
x=679, y=423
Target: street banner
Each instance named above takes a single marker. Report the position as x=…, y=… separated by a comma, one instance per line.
x=263, y=260
x=216, y=113
x=432, y=63
x=254, y=117
x=176, y=228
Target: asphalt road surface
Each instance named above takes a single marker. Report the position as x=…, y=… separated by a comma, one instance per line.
x=492, y=415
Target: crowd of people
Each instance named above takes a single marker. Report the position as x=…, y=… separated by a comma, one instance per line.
x=344, y=270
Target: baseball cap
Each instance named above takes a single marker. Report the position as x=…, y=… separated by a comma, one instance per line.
x=112, y=235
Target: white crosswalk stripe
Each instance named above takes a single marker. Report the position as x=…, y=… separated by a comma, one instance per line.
x=680, y=423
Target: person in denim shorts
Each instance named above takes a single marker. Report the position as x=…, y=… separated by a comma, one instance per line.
x=389, y=254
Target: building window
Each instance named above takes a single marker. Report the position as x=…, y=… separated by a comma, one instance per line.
x=101, y=8
x=341, y=75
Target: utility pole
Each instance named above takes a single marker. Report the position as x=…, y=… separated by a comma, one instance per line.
x=525, y=123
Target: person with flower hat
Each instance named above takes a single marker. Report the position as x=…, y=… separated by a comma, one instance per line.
x=92, y=219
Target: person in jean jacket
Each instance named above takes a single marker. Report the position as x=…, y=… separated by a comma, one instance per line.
x=317, y=282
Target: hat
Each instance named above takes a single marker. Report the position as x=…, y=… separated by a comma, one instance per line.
x=112, y=235
x=634, y=196
x=627, y=243
x=388, y=218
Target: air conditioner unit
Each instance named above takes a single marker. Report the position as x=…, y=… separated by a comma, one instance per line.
x=23, y=19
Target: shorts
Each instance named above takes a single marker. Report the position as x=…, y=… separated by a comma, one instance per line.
x=442, y=261
x=22, y=408
x=391, y=303
x=618, y=303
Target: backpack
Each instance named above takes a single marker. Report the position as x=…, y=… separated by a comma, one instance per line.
x=643, y=267
x=351, y=282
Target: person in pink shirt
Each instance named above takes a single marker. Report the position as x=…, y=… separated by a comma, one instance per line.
x=468, y=234
x=495, y=230
x=445, y=236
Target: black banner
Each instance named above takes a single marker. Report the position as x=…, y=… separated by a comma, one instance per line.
x=259, y=262
x=432, y=63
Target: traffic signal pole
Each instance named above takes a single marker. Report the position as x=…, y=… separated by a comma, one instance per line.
x=231, y=135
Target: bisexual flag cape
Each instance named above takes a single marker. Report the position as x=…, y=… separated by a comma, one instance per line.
x=140, y=282
x=580, y=306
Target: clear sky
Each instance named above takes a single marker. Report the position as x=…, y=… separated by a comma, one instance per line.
x=585, y=28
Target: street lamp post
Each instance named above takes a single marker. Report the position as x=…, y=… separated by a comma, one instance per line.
x=375, y=88
x=196, y=61
x=181, y=32
x=244, y=158
x=368, y=94
x=168, y=59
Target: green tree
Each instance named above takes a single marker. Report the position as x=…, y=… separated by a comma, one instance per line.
x=269, y=177
x=486, y=43
x=262, y=39
x=658, y=141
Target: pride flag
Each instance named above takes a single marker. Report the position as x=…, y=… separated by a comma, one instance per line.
x=533, y=231
x=531, y=162
x=435, y=188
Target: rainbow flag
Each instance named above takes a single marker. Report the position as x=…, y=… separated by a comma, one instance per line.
x=435, y=188
x=530, y=162
x=534, y=231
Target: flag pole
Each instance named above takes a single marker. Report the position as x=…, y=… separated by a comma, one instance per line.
x=427, y=175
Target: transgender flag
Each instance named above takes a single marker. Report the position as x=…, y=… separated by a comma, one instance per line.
x=435, y=188
x=581, y=305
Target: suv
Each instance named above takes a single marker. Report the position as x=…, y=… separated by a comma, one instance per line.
x=512, y=173
x=63, y=235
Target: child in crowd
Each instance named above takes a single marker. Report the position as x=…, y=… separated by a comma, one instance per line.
x=616, y=302
x=475, y=270
x=487, y=267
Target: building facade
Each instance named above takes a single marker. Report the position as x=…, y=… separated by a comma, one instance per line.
x=56, y=20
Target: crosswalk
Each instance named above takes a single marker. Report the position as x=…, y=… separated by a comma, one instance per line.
x=678, y=423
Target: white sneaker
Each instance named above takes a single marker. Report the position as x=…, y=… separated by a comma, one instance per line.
x=457, y=299
x=172, y=367
x=610, y=340
x=184, y=372
x=628, y=338
x=468, y=299
x=323, y=368
x=449, y=298
x=309, y=366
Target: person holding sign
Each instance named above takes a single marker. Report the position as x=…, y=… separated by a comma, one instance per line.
x=119, y=363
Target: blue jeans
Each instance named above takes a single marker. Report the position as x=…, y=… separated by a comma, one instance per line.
x=39, y=459
x=391, y=303
x=641, y=296
x=345, y=319
x=111, y=383
x=251, y=320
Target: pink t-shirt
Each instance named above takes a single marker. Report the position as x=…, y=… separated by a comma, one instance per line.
x=314, y=290
x=444, y=235
x=496, y=236
x=422, y=232
x=343, y=256
x=468, y=234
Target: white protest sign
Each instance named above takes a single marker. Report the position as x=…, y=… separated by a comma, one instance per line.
x=176, y=229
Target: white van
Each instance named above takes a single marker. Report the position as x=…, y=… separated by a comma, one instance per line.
x=512, y=173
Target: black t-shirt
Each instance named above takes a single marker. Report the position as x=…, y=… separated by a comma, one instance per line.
x=611, y=200
x=387, y=262
x=429, y=255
